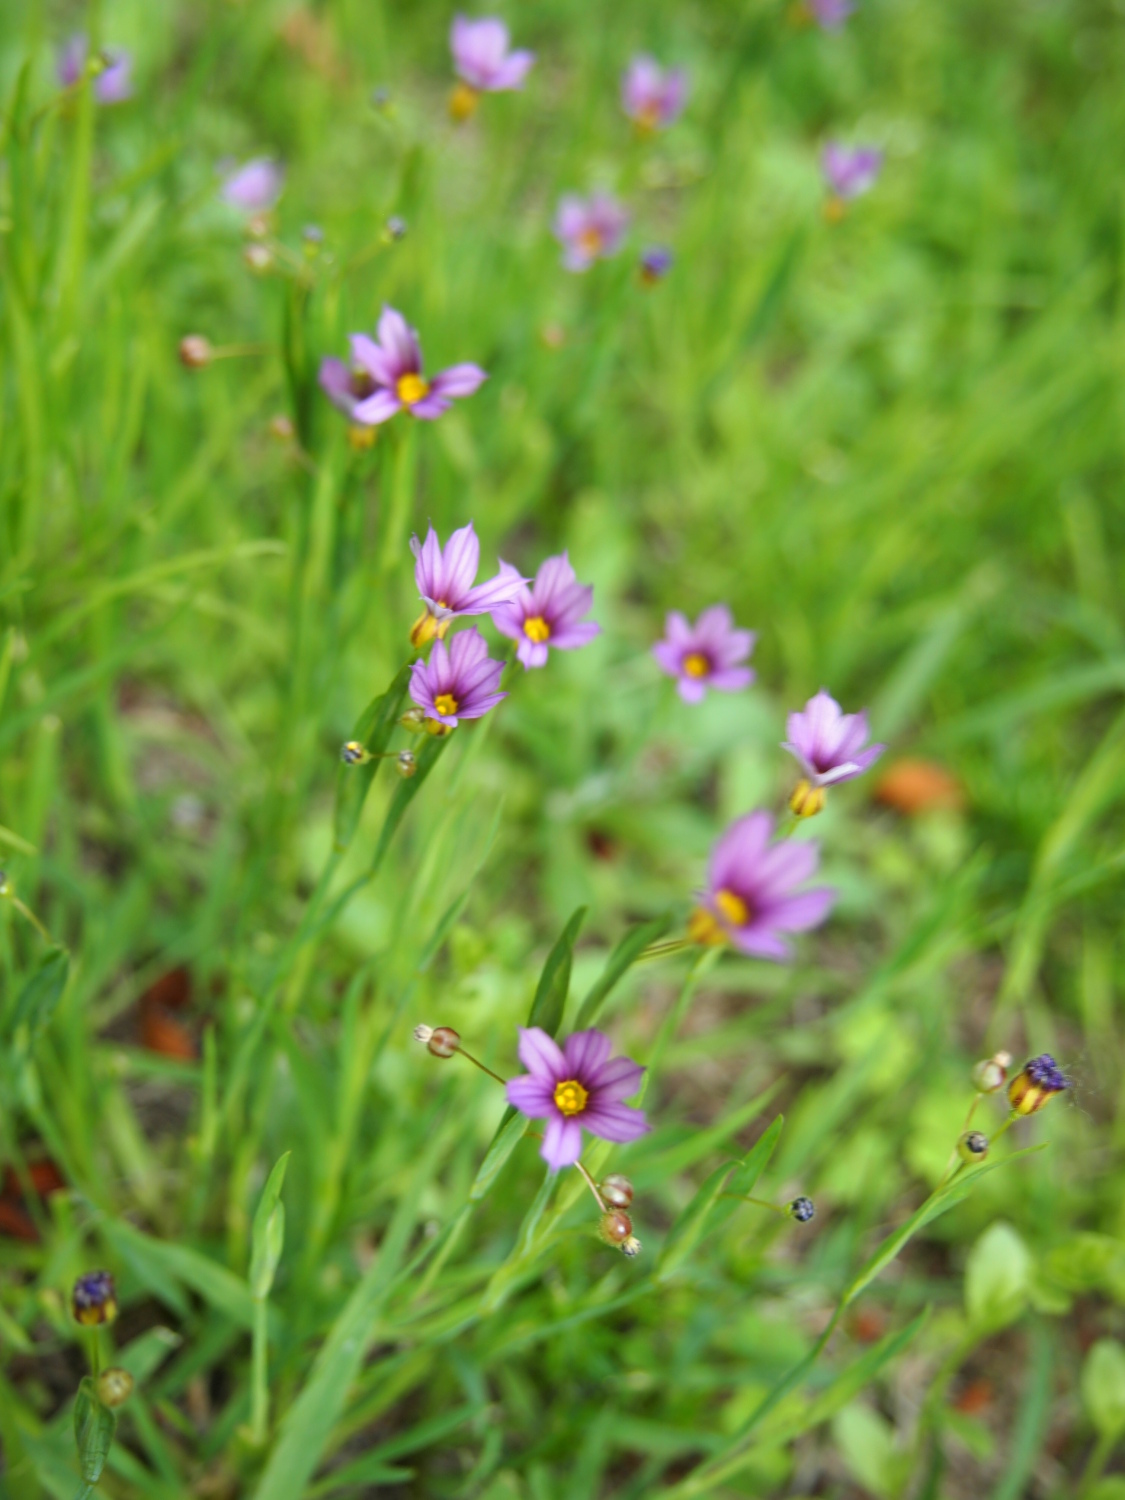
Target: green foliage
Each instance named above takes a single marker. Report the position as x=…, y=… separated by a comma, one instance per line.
x=1103, y=1387
x=997, y=1279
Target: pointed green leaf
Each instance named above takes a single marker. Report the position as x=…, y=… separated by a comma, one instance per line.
x=554, y=982
x=686, y=1232
x=744, y=1179
x=42, y=992
x=94, y=1426
x=620, y=961
x=268, y=1234
x=507, y=1138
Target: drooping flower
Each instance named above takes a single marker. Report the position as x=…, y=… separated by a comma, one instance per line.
x=1037, y=1082
x=548, y=614
x=393, y=365
x=830, y=15
x=589, y=229
x=576, y=1087
x=446, y=582
x=94, y=1299
x=254, y=187
x=652, y=96
x=483, y=62
x=656, y=262
x=752, y=898
x=830, y=745
x=458, y=683
x=706, y=654
x=850, y=171
x=115, y=81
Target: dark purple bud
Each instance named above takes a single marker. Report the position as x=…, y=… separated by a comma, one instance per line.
x=94, y=1299
x=802, y=1209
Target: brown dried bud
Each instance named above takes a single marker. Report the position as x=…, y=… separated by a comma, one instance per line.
x=615, y=1227
x=617, y=1191
x=443, y=1041
x=195, y=351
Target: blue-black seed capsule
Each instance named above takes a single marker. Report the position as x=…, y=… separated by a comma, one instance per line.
x=802, y=1209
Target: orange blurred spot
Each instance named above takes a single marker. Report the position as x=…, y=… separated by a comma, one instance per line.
x=868, y=1326
x=16, y=1221
x=172, y=990
x=162, y=1033
x=976, y=1397
x=915, y=786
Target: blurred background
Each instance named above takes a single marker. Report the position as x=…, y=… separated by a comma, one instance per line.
x=888, y=437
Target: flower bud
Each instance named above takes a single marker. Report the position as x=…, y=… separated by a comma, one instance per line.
x=617, y=1191
x=361, y=438
x=195, y=351
x=259, y=258
x=615, y=1227
x=992, y=1073
x=406, y=764
x=413, y=719
x=807, y=800
x=801, y=1209
x=631, y=1247
x=1039, y=1080
x=462, y=103
x=973, y=1146
x=395, y=228
x=281, y=428
x=115, y=1386
x=436, y=728
x=258, y=225
x=94, y=1299
x=353, y=753
x=443, y=1041
x=655, y=265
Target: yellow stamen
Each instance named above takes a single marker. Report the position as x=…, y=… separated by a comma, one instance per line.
x=589, y=241
x=536, y=629
x=695, y=664
x=571, y=1097
x=733, y=908
x=446, y=704
x=463, y=103
x=807, y=800
x=411, y=388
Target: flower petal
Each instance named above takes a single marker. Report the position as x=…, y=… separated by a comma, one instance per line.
x=541, y=1055
x=615, y=1122
x=806, y=909
x=585, y=1052
x=400, y=343
x=617, y=1079
x=458, y=380
x=380, y=407
x=533, y=1097
x=562, y=1142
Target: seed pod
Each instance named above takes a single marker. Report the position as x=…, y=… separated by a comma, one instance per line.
x=94, y=1299
x=992, y=1074
x=617, y=1191
x=353, y=753
x=406, y=764
x=195, y=351
x=615, y=1227
x=443, y=1041
x=281, y=428
x=259, y=258
x=395, y=227
x=115, y=1386
x=807, y=800
x=413, y=719
x=973, y=1146
x=802, y=1209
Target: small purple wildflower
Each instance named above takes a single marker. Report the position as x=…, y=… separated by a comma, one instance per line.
x=112, y=85
x=458, y=683
x=830, y=15
x=393, y=365
x=1037, y=1082
x=94, y=1299
x=656, y=262
x=751, y=897
x=254, y=187
x=344, y=388
x=576, y=1087
x=653, y=97
x=481, y=56
x=446, y=582
x=706, y=654
x=828, y=743
x=589, y=229
x=850, y=171
x=548, y=614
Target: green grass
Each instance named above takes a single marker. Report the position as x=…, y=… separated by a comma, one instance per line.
x=892, y=444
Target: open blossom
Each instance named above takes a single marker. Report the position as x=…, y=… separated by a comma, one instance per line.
x=446, y=580
x=652, y=96
x=458, y=683
x=830, y=15
x=115, y=81
x=850, y=171
x=255, y=186
x=706, y=654
x=576, y=1087
x=589, y=229
x=830, y=745
x=482, y=58
x=548, y=614
x=393, y=365
x=752, y=898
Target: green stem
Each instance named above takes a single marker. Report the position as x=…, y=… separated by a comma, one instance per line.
x=1096, y=1463
x=703, y=961
x=259, y=1375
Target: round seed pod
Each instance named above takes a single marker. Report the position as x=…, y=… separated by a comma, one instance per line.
x=352, y=753
x=195, y=351
x=406, y=764
x=444, y=1041
x=973, y=1146
x=413, y=719
x=115, y=1386
x=616, y=1190
x=802, y=1209
x=616, y=1227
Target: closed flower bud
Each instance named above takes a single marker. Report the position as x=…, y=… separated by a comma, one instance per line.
x=1037, y=1082
x=615, y=1227
x=195, y=351
x=353, y=753
x=631, y=1247
x=361, y=438
x=617, y=1191
x=395, y=228
x=973, y=1146
x=436, y=728
x=801, y=1209
x=992, y=1073
x=281, y=428
x=807, y=800
x=406, y=764
x=259, y=258
x=443, y=1041
x=94, y=1299
x=413, y=719
x=258, y=225
x=462, y=103
x=115, y=1386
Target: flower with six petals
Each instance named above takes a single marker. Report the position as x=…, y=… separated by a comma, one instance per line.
x=706, y=654
x=446, y=579
x=393, y=364
x=653, y=97
x=576, y=1087
x=459, y=683
x=589, y=229
x=548, y=614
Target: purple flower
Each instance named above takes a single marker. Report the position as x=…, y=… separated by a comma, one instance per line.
x=656, y=262
x=481, y=56
x=653, y=96
x=460, y=683
x=829, y=743
x=589, y=229
x=393, y=364
x=574, y=1088
x=345, y=388
x=830, y=15
x=446, y=582
x=705, y=654
x=751, y=896
x=850, y=170
x=254, y=187
x=112, y=85
x=548, y=614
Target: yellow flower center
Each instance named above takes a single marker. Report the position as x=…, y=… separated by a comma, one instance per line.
x=733, y=908
x=590, y=240
x=446, y=704
x=536, y=629
x=411, y=388
x=704, y=929
x=571, y=1097
x=463, y=102
x=695, y=664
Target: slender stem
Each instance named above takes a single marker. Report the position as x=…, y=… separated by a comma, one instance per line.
x=659, y=950
x=761, y=1203
x=95, y=1353
x=592, y=1185
x=259, y=1375
x=1096, y=1463
x=476, y=1062
x=26, y=911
